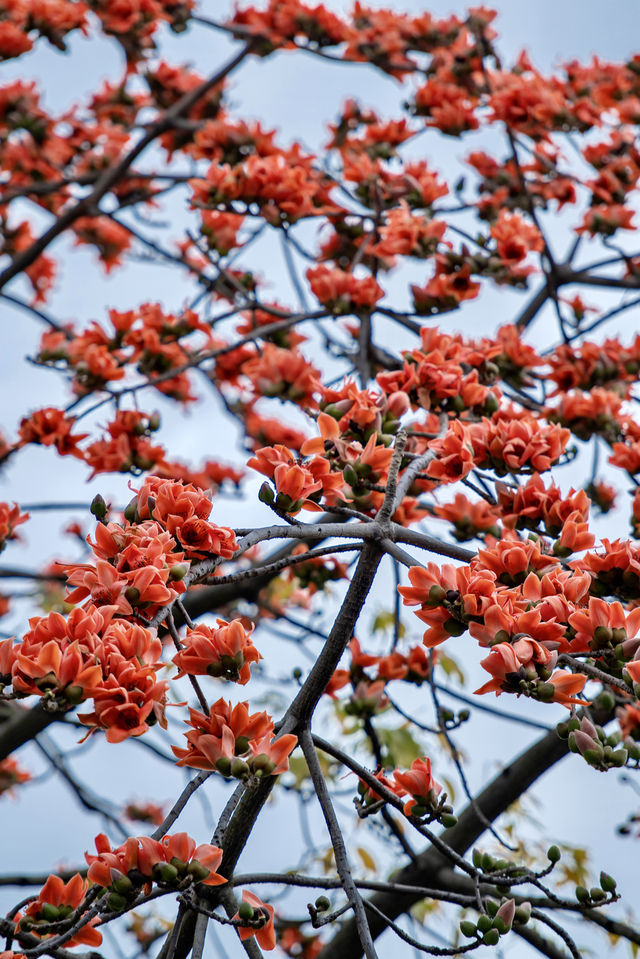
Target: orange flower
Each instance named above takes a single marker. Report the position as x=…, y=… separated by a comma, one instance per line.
x=566, y=685
x=519, y=667
x=259, y=923
x=56, y=901
x=295, y=485
x=343, y=292
x=449, y=596
x=129, y=701
x=515, y=237
x=10, y=517
x=11, y=775
x=149, y=858
x=604, y=625
x=50, y=427
x=214, y=740
x=420, y=784
x=226, y=652
x=454, y=454
x=512, y=559
x=283, y=373
x=200, y=537
x=469, y=519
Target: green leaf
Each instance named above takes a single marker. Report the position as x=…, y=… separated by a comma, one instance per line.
x=400, y=745
x=450, y=667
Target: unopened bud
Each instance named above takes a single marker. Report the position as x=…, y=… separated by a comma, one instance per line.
x=506, y=913
x=164, y=872
x=239, y=769
x=116, y=903
x=553, y=854
x=223, y=765
x=131, y=510
x=99, y=507
x=197, y=870
x=265, y=495
x=50, y=912
x=245, y=911
x=607, y=882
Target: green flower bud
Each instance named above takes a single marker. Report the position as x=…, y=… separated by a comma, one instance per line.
x=197, y=870
x=131, y=510
x=73, y=694
x=265, y=494
x=605, y=701
x=484, y=923
x=132, y=595
x=619, y=758
x=582, y=894
x=491, y=938
x=594, y=756
x=492, y=906
x=448, y=821
x=607, y=882
x=245, y=911
x=454, y=627
x=553, y=854
x=98, y=507
x=491, y=405
x=436, y=595
x=116, y=903
x=261, y=765
x=239, y=769
x=50, y=912
x=164, y=872
x=545, y=692
x=122, y=886
x=522, y=913
x=322, y=904
x=597, y=894
x=350, y=475
x=223, y=765
x=476, y=857
x=468, y=929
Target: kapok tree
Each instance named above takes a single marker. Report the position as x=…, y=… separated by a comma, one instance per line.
x=384, y=440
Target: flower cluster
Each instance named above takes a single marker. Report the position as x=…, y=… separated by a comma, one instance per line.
x=235, y=742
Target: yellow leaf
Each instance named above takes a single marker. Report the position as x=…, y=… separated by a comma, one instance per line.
x=367, y=859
